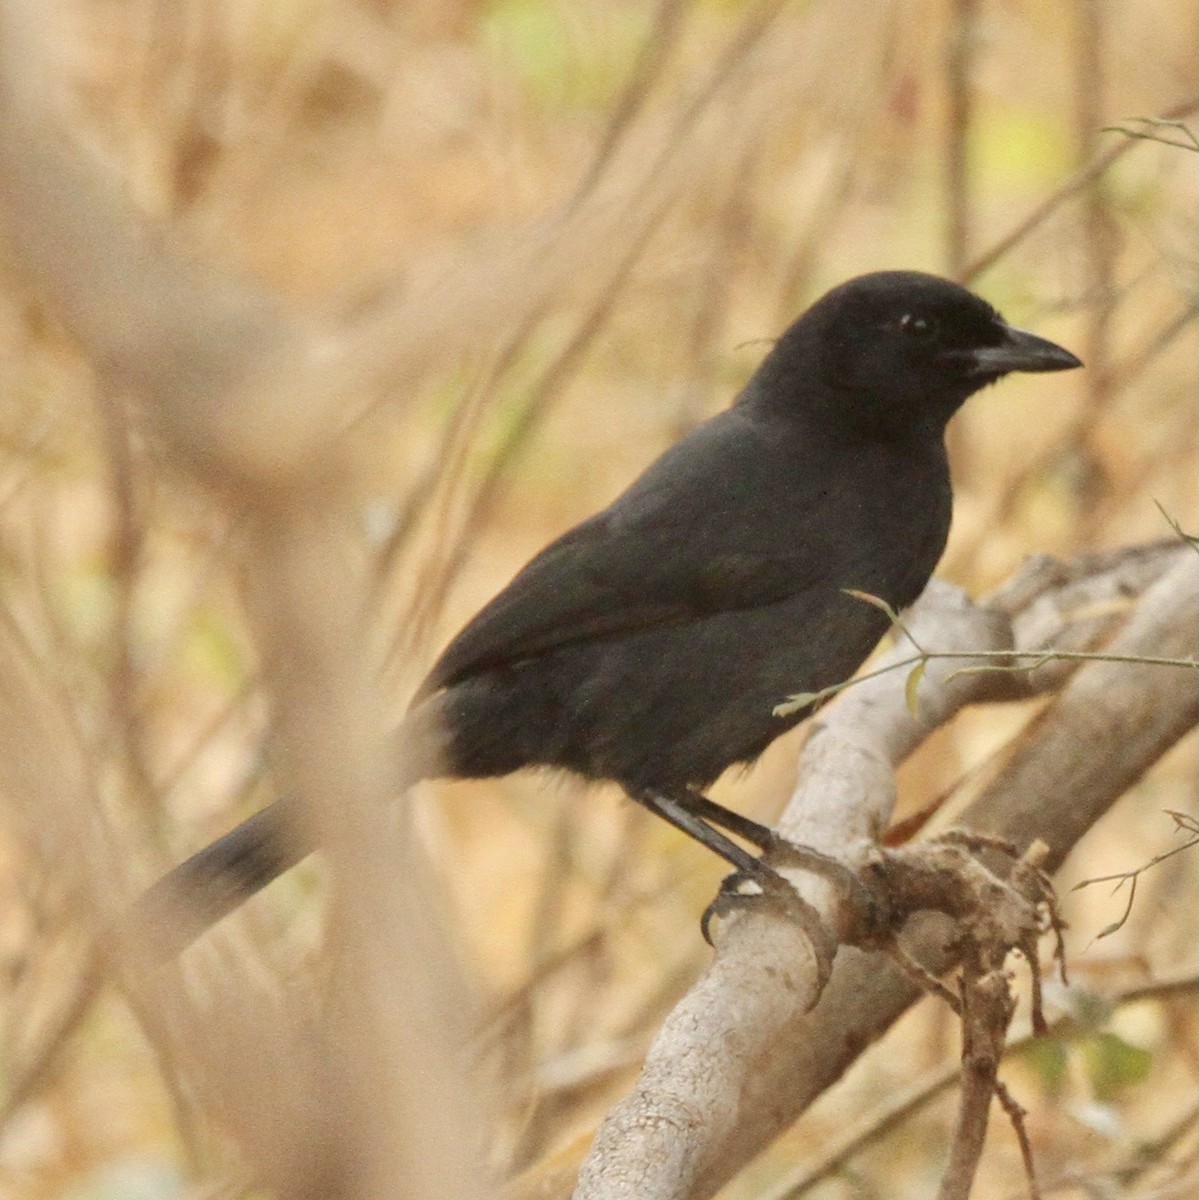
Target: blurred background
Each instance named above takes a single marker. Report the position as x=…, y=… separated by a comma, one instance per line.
x=335, y=152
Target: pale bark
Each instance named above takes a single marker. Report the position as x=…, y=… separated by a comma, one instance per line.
x=742, y=1056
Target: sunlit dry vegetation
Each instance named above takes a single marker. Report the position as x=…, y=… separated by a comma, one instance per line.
x=553, y=235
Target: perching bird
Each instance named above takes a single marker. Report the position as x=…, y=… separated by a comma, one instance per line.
x=651, y=644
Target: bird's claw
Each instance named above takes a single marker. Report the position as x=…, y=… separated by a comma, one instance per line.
x=765, y=890
x=864, y=910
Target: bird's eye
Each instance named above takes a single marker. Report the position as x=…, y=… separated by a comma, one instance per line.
x=917, y=327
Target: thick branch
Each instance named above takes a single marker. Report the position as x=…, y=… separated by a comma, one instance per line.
x=741, y=1057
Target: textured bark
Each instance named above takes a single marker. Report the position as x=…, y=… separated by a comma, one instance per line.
x=745, y=1053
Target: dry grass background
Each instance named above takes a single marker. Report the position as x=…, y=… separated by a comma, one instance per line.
x=339, y=153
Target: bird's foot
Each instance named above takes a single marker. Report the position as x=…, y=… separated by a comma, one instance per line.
x=765, y=890
x=997, y=906
x=864, y=910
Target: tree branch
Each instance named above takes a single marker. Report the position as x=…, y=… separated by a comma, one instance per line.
x=742, y=1056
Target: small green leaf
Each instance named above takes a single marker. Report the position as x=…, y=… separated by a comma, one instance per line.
x=877, y=601
x=794, y=703
x=805, y=699
x=1114, y=1064
x=911, y=688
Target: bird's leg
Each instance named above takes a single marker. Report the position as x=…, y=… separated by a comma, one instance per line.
x=709, y=811
x=778, y=852
x=679, y=810
x=775, y=848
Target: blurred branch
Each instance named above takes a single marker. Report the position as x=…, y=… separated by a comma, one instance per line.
x=31, y=1069
x=1129, y=369
x=121, y=289
x=1122, y=374
x=375, y=1100
x=643, y=208
x=1100, y=241
x=699, y=1110
x=1147, y=1155
x=1076, y=184
x=725, y=259
x=662, y=40
x=569, y=360
x=1184, y=824
x=878, y=1125
x=959, y=85
x=255, y=399
x=120, y=286
x=446, y=462
x=1150, y=129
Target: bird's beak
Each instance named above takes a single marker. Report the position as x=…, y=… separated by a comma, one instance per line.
x=1022, y=351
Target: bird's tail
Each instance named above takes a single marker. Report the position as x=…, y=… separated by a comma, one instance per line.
x=196, y=894
x=201, y=890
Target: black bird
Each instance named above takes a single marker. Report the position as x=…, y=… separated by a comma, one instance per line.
x=651, y=644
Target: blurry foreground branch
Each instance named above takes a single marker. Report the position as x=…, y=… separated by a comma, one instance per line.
x=358, y=1089
x=357, y=1092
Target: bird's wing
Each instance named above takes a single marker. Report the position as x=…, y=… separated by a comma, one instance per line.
x=606, y=578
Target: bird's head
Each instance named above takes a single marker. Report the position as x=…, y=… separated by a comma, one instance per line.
x=909, y=347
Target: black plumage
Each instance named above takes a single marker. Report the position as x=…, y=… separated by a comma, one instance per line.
x=651, y=644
